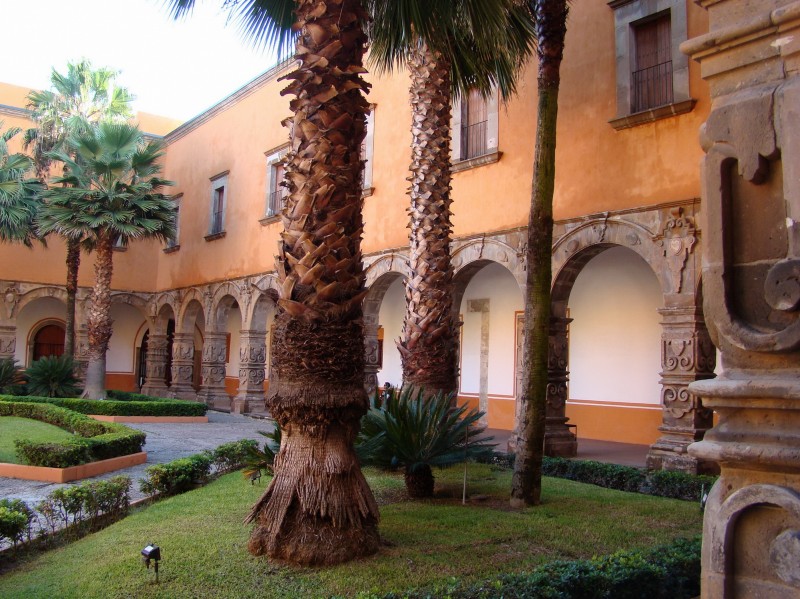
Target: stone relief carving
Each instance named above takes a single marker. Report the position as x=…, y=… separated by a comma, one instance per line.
x=679, y=241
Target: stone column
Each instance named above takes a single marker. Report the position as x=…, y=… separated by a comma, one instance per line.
x=252, y=364
x=751, y=288
x=687, y=355
x=81, y=356
x=558, y=439
x=183, y=366
x=156, y=369
x=371, y=346
x=8, y=341
x=212, y=373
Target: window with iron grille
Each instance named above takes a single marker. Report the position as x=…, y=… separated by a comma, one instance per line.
x=277, y=192
x=217, y=210
x=651, y=78
x=173, y=242
x=474, y=125
x=219, y=201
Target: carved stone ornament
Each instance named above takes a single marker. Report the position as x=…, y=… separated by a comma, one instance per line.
x=679, y=241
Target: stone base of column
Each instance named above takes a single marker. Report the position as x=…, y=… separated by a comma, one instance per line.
x=183, y=392
x=155, y=390
x=670, y=452
x=216, y=399
x=751, y=529
x=559, y=442
x=247, y=404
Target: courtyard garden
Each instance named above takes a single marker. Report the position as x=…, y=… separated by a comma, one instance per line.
x=433, y=547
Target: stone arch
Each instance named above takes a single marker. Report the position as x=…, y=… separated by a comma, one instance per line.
x=40, y=292
x=134, y=300
x=192, y=308
x=389, y=274
x=387, y=263
x=472, y=255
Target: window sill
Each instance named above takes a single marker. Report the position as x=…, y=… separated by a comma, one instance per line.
x=171, y=249
x=367, y=191
x=653, y=114
x=120, y=248
x=463, y=165
x=214, y=236
x=268, y=220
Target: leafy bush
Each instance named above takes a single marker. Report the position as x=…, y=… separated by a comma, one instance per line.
x=13, y=527
x=177, y=476
x=86, y=503
x=52, y=376
x=11, y=376
x=95, y=441
x=418, y=432
x=667, y=572
x=232, y=456
x=678, y=485
x=159, y=407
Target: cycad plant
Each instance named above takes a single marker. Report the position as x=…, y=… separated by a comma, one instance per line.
x=10, y=375
x=53, y=376
x=260, y=461
x=420, y=432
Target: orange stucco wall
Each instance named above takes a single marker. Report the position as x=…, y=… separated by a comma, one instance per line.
x=624, y=423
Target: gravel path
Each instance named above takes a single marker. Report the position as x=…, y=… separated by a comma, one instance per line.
x=165, y=442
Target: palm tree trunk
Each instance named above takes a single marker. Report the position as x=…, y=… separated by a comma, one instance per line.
x=526, y=484
x=318, y=508
x=99, y=318
x=428, y=346
x=73, y=265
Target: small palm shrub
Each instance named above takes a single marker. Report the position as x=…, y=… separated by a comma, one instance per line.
x=10, y=375
x=416, y=433
x=52, y=376
x=257, y=460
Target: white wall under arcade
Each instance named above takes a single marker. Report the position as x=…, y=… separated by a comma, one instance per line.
x=615, y=349
x=390, y=317
x=491, y=335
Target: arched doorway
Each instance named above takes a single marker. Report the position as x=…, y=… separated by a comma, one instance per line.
x=48, y=341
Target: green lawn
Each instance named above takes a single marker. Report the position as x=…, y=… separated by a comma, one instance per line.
x=12, y=428
x=203, y=541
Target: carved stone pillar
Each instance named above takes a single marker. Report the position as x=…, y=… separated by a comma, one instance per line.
x=687, y=355
x=252, y=363
x=81, y=356
x=183, y=366
x=8, y=341
x=212, y=373
x=751, y=290
x=558, y=439
x=155, y=378
x=371, y=346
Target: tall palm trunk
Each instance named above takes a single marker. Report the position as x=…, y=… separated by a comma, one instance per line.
x=99, y=318
x=526, y=484
x=428, y=345
x=73, y=265
x=318, y=508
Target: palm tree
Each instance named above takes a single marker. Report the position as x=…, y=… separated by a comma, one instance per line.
x=79, y=98
x=110, y=192
x=551, y=29
x=318, y=508
x=449, y=48
x=18, y=193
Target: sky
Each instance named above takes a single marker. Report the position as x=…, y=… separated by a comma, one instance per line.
x=176, y=69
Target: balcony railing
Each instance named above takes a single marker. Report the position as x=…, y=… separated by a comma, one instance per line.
x=473, y=140
x=651, y=87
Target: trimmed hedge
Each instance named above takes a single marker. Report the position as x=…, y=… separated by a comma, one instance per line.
x=150, y=407
x=95, y=441
x=662, y=483
x=666, y=572
x=177, y=476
